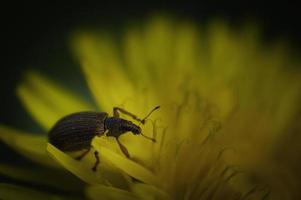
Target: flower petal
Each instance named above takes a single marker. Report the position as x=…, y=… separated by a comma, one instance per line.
x=133, y=143
x=30, y=145
x=78, y=168
x=159, y=38
x=41, y=95
x=105, y=192
x=187, y=48
x=14, y=192
x=128, y=166
x=102, y=68
x=135, y=57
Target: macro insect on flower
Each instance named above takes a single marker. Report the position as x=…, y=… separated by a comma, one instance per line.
x=221, y=122
x=76, y=131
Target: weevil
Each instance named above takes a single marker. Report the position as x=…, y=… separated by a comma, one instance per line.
x=75, y=132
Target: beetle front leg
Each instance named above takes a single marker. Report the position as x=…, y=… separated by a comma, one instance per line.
x=116, y=111
x=123, y=148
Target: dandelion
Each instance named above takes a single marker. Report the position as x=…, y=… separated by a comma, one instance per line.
x=226, y=103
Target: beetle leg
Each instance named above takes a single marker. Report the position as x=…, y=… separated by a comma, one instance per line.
x=83, y=154
x=123, y=148
x=105, y=133
x=116, y=111
x=97, y=161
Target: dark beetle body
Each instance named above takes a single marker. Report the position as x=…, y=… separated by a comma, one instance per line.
x=75, y=132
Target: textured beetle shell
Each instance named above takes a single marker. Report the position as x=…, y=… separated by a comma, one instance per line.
x=76, y=131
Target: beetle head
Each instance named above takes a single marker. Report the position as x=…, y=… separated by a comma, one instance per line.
x=117, y=126
x=136, y=130
x=130, y=126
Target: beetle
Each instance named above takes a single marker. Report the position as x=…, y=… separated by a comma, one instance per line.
x=75, y=132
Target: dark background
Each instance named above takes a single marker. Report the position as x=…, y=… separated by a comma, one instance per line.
x=34, y=35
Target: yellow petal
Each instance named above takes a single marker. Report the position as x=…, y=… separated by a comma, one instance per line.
x=133, y=143
x=78, y=168
x=128, y=166
x=109, y=193
x=149, y=192
x=46, y=101
x=14, y=192
x=135, y=58
x=106, y=172
x=186, y=55
x=102, y=68
x=159, y=38
x=30, y=145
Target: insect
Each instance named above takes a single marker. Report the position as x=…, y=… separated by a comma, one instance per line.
x=75, y=132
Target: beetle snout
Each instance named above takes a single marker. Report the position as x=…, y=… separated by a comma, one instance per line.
x=136, y=130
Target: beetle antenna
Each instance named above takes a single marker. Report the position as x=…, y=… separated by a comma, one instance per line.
x=143, y=120
x=152, y=139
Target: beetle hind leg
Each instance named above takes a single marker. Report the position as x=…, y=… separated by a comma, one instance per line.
x=96, y=154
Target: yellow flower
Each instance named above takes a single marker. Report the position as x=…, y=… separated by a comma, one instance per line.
x=226, y=104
